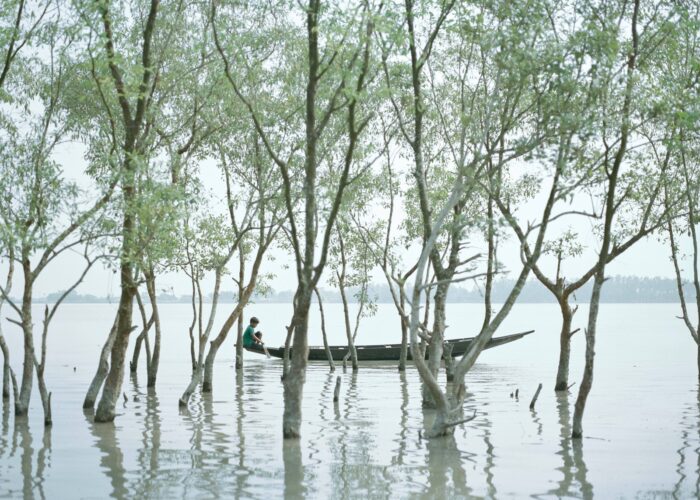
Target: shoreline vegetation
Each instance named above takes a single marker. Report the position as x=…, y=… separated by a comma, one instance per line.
x=618, y=290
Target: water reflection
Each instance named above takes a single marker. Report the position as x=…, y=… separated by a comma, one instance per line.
x=581, y=469
x=112, y=460
x=148, y=456
x=402, y=438
x=293, y=469
x=365, y=445
x=242, y=472
x=573, y=467
x=5, y=425
x=490, y=462
x=688, y=451
x=43, y=461
x=567, y=461
x=209, y=454
x=446, y=475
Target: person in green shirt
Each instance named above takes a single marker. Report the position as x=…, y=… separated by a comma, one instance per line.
x=250, y=336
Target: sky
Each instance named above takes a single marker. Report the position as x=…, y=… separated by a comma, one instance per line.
x=650, y=257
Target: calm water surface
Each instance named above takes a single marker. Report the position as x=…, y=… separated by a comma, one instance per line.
x=642, y=424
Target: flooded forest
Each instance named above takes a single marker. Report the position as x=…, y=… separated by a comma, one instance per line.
x=217, y=149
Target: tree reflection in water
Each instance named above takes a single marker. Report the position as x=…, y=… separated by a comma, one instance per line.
x=367, y=444
x=446, y=475
x=573, y=466
x=242, y=472
x=112, y=460
x=489, y=462
x=5, y=427
x=149, y=454
x=689, y=449
x=293, y=469
x=20, y=445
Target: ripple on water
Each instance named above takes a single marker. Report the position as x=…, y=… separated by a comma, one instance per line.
x=369, y=444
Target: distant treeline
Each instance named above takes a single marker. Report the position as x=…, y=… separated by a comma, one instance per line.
x=618, y=289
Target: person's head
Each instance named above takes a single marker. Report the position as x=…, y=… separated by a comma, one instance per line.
x=254, y=321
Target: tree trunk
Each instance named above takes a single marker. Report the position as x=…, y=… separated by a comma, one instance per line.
x=294, y=380
x=239, y=331
x=562, y=382
x=587, y=380
x=102, y=368
x=22, y=405
x=348, y=328
x=228, y=324
x=3, y=345
x=5, y=369
x=449, y=361
x=196, y=377
x=404, y=333
x=115, y=377
x=45, y=396
x=134, y=363
x=239, y=342
x=436, y=340
x=216, y=343
x=194, y=382
x=155, y=358
x=193, y=358
x=329, y=355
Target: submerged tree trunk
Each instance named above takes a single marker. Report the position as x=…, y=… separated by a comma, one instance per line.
x=214, y=346
x=155, y=357
x=562, y=382
x=228, y=324
x=329, y=355
x=193, y=357
x=197, y=373
x=113, y=382
x=296, y=376
x=5, y=368
x=3, y=345
x=449, y=361
x=348, y=328
x=239, y=331
x=102, y=368
x=404, y=331
x=436, y=340
x=587, y=380
x=45, y=395
x=22, y=404
x=147, y=324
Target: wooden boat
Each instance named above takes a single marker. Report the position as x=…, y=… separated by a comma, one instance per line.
x=384, y=352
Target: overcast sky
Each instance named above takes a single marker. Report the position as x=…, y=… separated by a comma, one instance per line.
x=648, y=258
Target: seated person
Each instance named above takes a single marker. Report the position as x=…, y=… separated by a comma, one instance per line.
x=250, y=336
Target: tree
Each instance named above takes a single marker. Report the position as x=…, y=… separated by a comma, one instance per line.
x=379, y=235
x=251, y=200
x=678, y=76
x=624, y=108
x=38, y=199
x=336, y=67
x=137, y=85
x=494, y=86
x=350, y=262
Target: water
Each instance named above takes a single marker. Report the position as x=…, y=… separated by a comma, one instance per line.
x=642, y=424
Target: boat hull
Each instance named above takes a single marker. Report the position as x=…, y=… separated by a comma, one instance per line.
x=385, y=352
